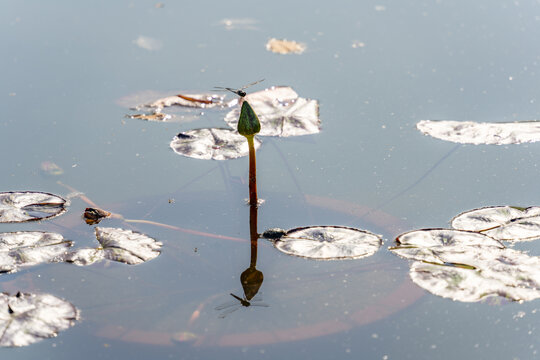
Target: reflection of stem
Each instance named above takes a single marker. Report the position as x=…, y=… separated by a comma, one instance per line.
x=254, y=236
x=252, y=172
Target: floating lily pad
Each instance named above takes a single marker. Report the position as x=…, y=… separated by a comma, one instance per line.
x=468, y=132
x=214, y=144
x=29, y=318
x=498, y=272
x=468, y=266
x=443, y=245
x=502, y=222
x=29, y=206
x=281, y=112
x=283, y=46
x=118, y=245
x=328, y=243
x=28, y=248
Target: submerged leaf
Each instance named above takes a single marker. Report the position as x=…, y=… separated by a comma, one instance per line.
x=29, y=318
x=27, y=248
x=468, y=132
x=502, y=222
x=29, y=206
x=215, y=144
x=283, y=46
x=281, y=112
x=329, y=243
x=118, y=245
x=468, y=266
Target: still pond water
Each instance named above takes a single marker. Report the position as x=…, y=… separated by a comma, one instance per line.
x=70, y=70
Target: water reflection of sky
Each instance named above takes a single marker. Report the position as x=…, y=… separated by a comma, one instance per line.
x=66, y=64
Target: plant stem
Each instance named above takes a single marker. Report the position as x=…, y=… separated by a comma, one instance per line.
x=253, y=200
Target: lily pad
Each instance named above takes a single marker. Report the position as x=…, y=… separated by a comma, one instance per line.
x=117, y=245
x=501, y=272
x=212, y=144
x=468, y=266
x=443, y=246
x=29, y=318
x=328, y=243
x=29, y=206
x=502, y=222
x=281, y=112
x=468, y=132
x=28, y=248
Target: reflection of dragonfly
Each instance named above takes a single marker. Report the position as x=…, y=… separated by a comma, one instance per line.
x=240, y=92
x=231, y=307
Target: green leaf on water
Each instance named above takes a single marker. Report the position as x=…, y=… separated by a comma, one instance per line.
x=328, y=243
x=29, y=318
x=29, y=206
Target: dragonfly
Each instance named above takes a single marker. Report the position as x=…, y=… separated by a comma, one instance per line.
x=240, y=92
x=242, y=302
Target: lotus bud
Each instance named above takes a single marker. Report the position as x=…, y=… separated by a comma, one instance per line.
x=248, y=124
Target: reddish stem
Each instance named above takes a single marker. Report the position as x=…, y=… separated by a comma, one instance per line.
x=252, y=172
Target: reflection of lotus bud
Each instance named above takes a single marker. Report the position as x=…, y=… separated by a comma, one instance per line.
x=251, y=280
x=248, y=124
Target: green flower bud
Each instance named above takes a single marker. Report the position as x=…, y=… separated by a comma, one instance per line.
x=248, y=124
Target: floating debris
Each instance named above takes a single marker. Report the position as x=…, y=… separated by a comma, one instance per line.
x=51, y=169
x=239, y=24
x=358, y=44
x=148, y=43
x=284, y=46
x=157, y=116
x=93, y=216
